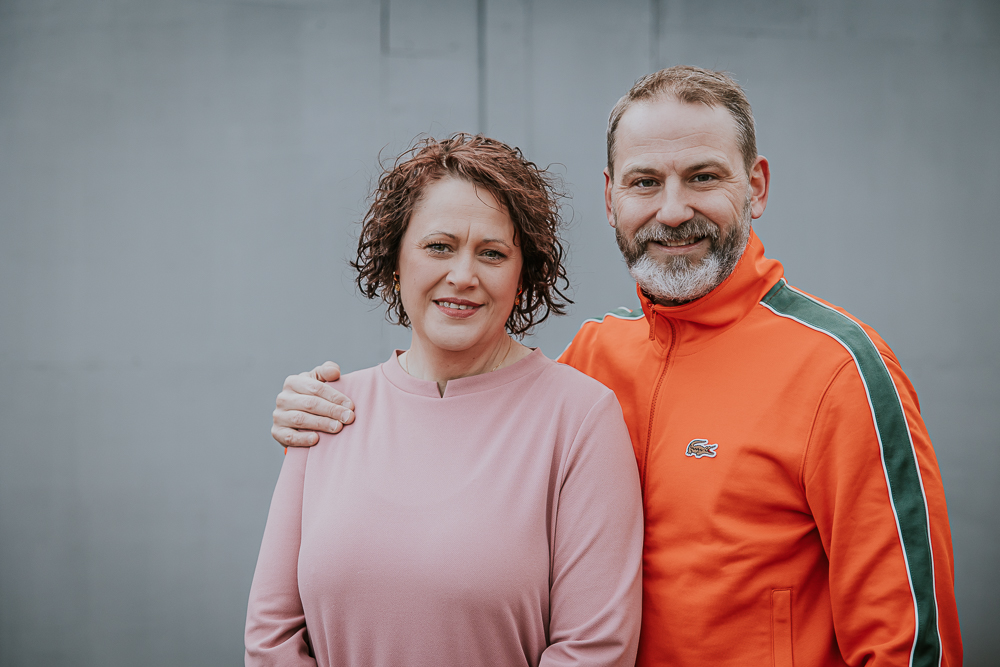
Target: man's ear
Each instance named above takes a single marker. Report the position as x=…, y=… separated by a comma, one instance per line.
x=608, y=209
x=760, y=186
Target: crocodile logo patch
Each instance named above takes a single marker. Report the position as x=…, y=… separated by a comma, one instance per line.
x=699, y=447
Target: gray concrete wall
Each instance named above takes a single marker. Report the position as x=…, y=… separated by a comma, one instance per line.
x=178, y=185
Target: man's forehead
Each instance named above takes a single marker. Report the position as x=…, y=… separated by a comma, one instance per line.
x=678, y=127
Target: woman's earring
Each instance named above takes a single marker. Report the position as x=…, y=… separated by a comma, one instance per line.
x=395, y=281
x=517, y=299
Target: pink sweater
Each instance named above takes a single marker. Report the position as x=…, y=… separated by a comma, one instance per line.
x=498, y=525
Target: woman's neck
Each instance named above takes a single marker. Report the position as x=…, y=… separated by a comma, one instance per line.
x=429, y=362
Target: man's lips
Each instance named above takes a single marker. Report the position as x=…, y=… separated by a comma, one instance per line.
x=680, y=246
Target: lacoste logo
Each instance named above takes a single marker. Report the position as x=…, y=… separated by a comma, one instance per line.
x=699, y=447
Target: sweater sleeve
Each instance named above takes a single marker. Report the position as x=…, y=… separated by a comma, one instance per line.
x=276, y=624
x=873, y=484
x=596, y=594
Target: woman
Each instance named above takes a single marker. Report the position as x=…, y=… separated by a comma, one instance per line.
x=484, y=508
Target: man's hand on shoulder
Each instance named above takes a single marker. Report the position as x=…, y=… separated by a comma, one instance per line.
x=307, y=405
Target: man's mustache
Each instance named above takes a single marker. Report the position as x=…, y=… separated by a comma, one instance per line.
x=698, y=227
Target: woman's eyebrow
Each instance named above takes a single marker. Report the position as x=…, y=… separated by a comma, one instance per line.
x=497, y=241
x=439, y=233
x=453, y=237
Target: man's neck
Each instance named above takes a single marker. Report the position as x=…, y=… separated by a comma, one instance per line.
x=661, y=301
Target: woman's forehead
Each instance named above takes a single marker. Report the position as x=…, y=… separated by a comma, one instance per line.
x=451, y=204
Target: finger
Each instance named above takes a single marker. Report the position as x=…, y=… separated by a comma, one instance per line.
x=328, y=393
x=346, y=417
x=288, y=437
x=303, y=384
x=328, y=372
x=303, y=421
x=313, y=405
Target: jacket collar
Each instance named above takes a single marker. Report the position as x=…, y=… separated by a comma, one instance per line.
x=691, y=325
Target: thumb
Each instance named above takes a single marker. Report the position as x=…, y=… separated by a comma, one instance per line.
x=328, y=372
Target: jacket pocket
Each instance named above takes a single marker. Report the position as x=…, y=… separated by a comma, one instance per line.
x=781, y=627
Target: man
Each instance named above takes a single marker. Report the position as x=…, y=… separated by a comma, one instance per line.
x=794, y=507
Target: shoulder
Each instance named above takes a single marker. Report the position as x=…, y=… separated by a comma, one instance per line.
x=825, y=332
x=572, y=380
x=610, y=329
x=811, y=316
x=360, y=380
x=569, y=394
x=619, y=313
x=617, y=318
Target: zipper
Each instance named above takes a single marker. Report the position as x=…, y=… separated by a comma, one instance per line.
x=656, y=395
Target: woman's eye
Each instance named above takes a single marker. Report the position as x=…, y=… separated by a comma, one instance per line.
x=494, y=254
x=437, y=247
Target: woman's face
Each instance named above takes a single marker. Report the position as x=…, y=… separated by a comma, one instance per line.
x=459, y=270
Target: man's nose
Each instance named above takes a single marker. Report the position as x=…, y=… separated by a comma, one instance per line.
x=673, y=207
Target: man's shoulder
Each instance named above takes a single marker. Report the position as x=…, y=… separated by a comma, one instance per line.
x=806, y=316
x=619, y=313
x=607, y=340
x=612, y=325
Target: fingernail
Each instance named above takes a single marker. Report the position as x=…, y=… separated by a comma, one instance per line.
x=346, y=417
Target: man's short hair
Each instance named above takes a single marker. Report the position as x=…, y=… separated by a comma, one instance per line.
x=691, y=84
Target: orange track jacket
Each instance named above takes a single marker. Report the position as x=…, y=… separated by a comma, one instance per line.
x=794, y=507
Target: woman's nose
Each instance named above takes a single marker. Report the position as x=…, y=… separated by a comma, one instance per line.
x=462, y=273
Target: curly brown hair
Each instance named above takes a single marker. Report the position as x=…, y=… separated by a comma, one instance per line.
x=529, y=195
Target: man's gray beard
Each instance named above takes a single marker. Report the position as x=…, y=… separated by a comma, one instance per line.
x=679, y=280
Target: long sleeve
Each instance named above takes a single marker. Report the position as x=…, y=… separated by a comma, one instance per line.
x=475, y=528
x=874, y=487
x=596, y=591
x=276, y=623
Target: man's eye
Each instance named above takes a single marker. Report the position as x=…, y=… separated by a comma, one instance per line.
x=645, y=183
x=703, y=178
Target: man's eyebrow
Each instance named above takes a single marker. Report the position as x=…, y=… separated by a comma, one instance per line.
x=640, y=169
x=709, y=164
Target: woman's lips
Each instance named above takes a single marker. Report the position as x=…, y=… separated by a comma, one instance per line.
x=459, y=309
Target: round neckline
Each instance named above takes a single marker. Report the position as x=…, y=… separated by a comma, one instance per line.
x=472, y=384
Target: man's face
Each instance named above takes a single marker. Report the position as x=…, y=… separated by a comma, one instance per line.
x=681, y=201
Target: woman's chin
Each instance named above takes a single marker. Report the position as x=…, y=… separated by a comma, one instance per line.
x=449, y=343
x=455, y=347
